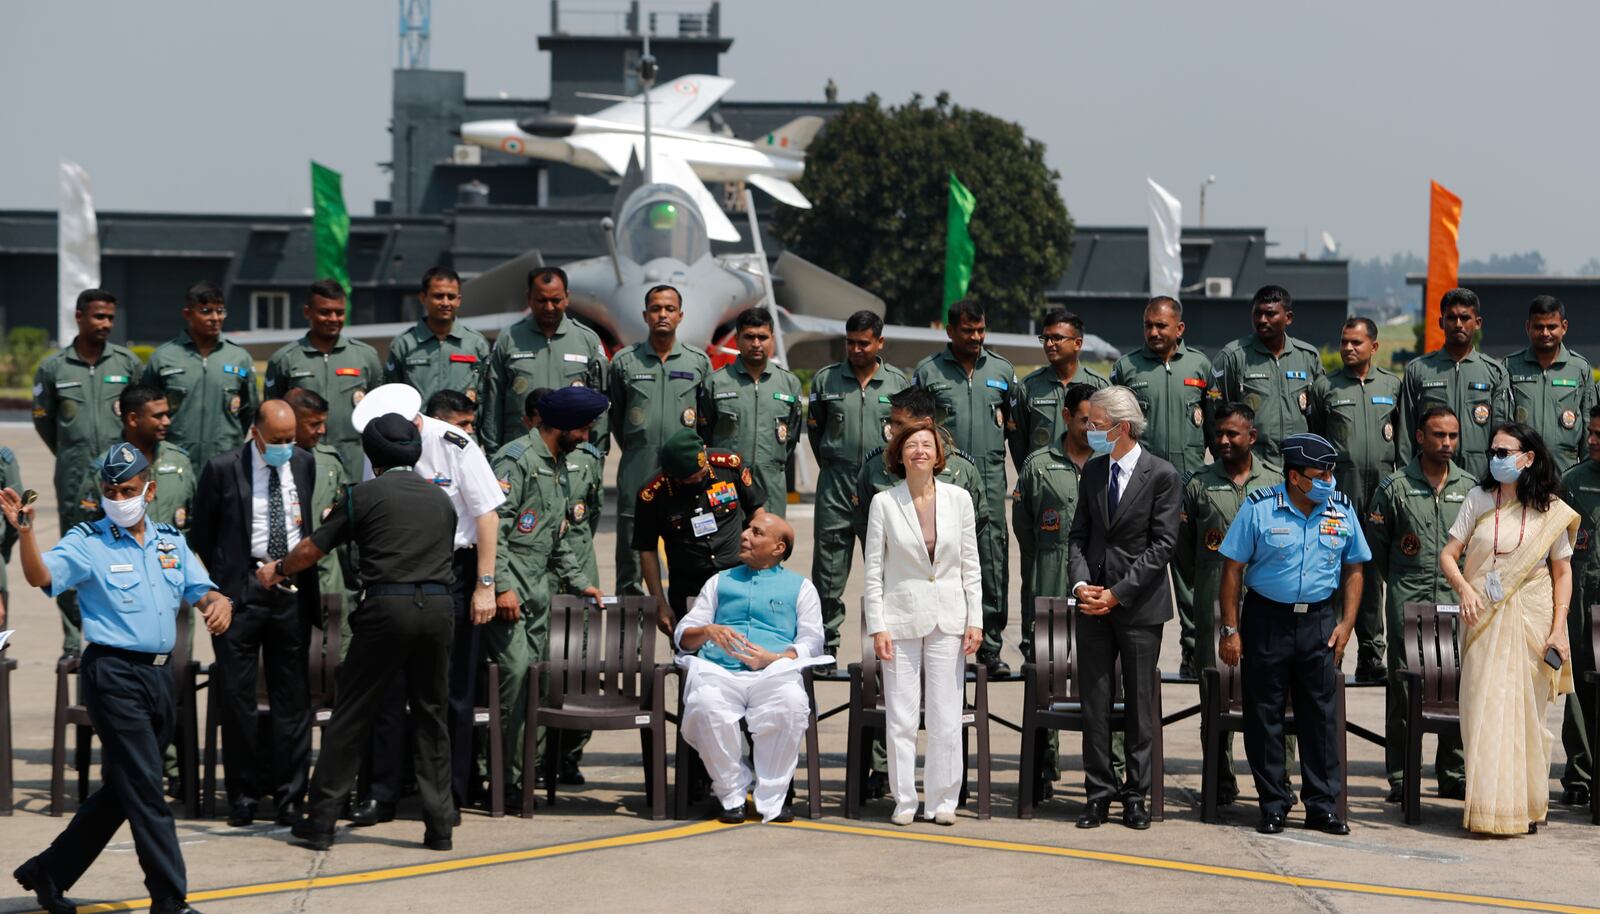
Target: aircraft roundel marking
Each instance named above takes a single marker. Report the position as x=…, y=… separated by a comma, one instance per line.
x=688, y=88
x=511, y=144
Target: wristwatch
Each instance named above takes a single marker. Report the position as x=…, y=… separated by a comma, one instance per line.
x=1228, y=631
x=485, y=580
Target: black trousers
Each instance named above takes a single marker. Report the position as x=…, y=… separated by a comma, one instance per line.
x=1287, y=658
x=132, y=709
x=1101, y=642
x=388, y=737
x=409, y=636
x=267, y=624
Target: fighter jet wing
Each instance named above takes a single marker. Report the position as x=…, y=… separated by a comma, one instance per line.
x=669, y=169
x=676, y=104
x=908, y=344
x=781, y=190
x=612, y=148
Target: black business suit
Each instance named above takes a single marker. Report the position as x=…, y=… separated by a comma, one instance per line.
x=271, y=624
x=1129, y=553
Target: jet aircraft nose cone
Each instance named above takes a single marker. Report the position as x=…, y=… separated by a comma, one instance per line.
x=548, y=125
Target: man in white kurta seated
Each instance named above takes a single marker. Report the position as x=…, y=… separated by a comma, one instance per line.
x=743, y=643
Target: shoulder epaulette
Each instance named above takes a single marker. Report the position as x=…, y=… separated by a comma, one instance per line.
x=6, y=454
x=593, y=451
x=1339, y=498
x=457, y=439
x=875, y=452
x=1260, y=494
x=723, y=458
x=1306, y=346
x=177, y=448
x=168, y=528
x=1188, y=476
x=1387, y=481
x=85, y=529
x=964, y=456
x=512, y=450
x=651, y=489
x=895, y=368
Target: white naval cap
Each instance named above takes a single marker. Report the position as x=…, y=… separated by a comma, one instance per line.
x=401, y=399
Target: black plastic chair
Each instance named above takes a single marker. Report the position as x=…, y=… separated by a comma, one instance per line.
x=1432, y=676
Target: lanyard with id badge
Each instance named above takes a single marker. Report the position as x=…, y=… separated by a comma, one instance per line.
x=1492, y=584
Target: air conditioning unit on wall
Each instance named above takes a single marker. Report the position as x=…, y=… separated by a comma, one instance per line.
x=1219, y=287
x=465, y=154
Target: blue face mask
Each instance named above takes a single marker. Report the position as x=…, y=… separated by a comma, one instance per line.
x=1321, y=490
x=1505, y=469
x=276, y=455
x=1100, y=442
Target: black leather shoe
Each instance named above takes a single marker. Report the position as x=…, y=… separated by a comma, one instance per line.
x=1186, y=668
x=1371, y=672
x=172, y=906
x=786, y=814
x=1327, y=823
x=242, y=813
x=32, y=876
x=1576, y=795
x=1095, y=813
x=435, y=842
x=572, y=777
x=1396, y=794
x=877, y=786
x=290, y=813
x=371, y=812
x=312, y=837
x=1135, y=815
x=1456, y=791
x=731, y=815
x=998, y=669
x=1271, y=824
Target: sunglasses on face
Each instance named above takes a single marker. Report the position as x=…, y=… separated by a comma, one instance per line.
x=1504, y=452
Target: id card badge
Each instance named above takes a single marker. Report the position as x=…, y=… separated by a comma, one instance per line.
x=1493, y=587
x=703, y=524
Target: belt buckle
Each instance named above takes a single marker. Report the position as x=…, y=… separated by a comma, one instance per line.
x=1301, y=607
x=159, y=660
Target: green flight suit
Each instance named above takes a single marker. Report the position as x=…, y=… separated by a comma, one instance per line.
x=844, y=420
x=10, y=478
x=75, y=412
x=213, y=398
x=1582, y=492
x=1211, y=500
x=650, y=399
x=458, y=362
x=342, y=377
x=758, y=419
x=1277, y=387
x=581, y=478
x=1173, y=394
x=1360, y=416
x=523, y=360
x=1555, y=401
x=1475, y=388
x=1039, y=401
x=979, y=412
x=325, y=487
x=1407, y=526
x=534, y=558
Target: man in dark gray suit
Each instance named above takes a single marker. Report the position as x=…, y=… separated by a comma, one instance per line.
x=1123, y=537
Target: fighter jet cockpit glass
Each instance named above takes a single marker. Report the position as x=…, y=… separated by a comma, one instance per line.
x=662, y=228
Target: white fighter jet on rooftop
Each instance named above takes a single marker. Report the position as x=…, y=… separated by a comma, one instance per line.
x=684, y=151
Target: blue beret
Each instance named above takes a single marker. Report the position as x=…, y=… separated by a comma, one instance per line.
x=122, y=463
x=568, y=408
x=1308, y=450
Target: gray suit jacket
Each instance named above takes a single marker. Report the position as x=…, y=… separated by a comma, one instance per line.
x=1129, y=553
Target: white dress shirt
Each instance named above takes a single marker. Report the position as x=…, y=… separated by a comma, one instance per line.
x=463, y=473
x=1124, y=467
x=258, y=503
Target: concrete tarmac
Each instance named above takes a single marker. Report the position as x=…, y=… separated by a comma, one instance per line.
x=596, y=850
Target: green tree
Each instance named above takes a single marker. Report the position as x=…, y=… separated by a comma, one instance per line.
x=878, y=179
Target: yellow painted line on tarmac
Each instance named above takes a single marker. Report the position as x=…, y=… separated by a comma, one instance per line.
x=1228, y=872
x=367, y=877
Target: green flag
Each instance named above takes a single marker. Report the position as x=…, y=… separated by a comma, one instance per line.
x=958, y=249
x=330, y=225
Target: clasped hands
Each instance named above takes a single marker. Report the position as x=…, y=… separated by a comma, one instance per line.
x=1094, y=600
x=740, y=648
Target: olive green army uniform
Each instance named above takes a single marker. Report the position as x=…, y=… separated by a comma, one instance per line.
x=844, y=420
x=650, y=399
x=1277, y=387
x=459, y=361
x=524, y=360
x=979, y=412
x=342, y=377
x=1474, y=388
x=1360, y=416
x=1582, y=492
x=757, y=418
x=1407, y=526
x=1039, y=404
x=75, y=412
x=1555, y=401
x=213, y=398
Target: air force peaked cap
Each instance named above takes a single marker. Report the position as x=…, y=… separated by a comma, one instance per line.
x=1308, y=450
x=568, y=408
x=122, y=463
x=401, y=399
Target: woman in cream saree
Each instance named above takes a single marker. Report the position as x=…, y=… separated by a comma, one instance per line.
x=1515, y=589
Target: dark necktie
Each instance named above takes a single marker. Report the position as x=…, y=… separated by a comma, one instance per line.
x=1115, y=493
x=277, y=532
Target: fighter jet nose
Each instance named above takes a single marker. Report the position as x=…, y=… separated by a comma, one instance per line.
x=548, y=125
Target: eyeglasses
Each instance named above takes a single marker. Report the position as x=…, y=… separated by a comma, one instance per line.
x=1049, y=338
x=208, y=312
x=1502, y=453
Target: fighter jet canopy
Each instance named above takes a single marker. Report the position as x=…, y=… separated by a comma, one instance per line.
x=660, y=220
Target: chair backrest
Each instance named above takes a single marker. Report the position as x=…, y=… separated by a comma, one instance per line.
x=324, y=648
x=180, y=648
x=1055, y=649
x=1230, y=679
x=608, y=649
x=1432, y=647
x=1594, y=635
x=871, y=683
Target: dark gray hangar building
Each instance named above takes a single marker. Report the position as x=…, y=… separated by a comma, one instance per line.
x=472, y=208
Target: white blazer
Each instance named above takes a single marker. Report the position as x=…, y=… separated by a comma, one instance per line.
x=905, y=594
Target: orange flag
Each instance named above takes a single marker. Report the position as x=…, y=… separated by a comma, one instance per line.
x=1444, y=259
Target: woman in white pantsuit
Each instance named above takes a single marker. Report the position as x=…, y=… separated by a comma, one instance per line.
x=923, y=603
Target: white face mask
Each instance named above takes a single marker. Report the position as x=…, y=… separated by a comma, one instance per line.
x=128, y=512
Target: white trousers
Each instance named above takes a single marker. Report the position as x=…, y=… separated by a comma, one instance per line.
x=776, y=708
x=926, y=675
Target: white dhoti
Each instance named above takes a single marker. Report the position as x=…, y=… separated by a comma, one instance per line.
x=774, y=704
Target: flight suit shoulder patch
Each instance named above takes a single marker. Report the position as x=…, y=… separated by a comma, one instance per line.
x=457, y=439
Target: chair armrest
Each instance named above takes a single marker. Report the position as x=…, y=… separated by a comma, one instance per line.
x=656, y=700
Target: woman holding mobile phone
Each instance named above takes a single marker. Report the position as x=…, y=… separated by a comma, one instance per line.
x=1515, y=586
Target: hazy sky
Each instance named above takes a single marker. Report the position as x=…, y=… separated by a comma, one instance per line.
x=1328, y=117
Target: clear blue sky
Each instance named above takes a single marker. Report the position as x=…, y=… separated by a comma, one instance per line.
x=1328, y=117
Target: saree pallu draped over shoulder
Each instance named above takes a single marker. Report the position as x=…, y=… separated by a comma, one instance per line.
x=1505, y=683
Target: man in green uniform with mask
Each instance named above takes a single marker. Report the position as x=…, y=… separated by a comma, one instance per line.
x=544, y=349
x=1356, y=409
x=1040, y=395
x=1408, y=524
x=1582, y=492
x=847, y=417
x=337, y=368
x=1552, y=387
x=1270, y=371
x=976, y=390
x=439, y=353
x=1457, y=375
x=75, y=408
x=752, y=407
x=655, y=390
x=208, y=381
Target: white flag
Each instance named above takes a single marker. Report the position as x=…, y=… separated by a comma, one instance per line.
x=77, y=248
x=1166, y=254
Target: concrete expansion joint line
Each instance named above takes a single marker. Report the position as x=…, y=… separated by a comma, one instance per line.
x=302, y=900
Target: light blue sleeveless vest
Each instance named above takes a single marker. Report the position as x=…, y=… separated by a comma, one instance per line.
x=760, y=605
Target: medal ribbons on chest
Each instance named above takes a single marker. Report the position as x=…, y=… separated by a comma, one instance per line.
x=722, y=493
